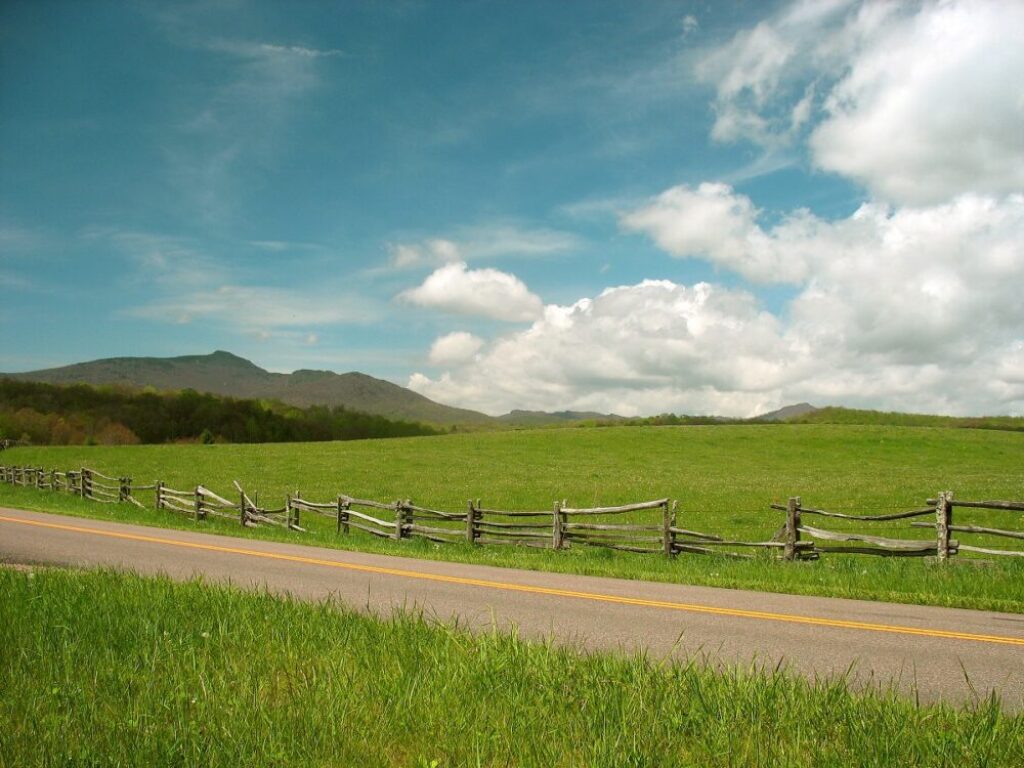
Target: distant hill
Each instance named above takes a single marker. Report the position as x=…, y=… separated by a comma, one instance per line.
x=543, y=418
x=837, y=415
x=223, y=373
x=787, y=413
x=38, y=413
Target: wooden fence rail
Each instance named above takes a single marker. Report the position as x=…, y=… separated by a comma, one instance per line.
x=561, y=527
x=942, y=546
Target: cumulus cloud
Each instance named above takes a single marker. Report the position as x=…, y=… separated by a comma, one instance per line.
x=632, y=349
x=964, y=256
x=489, y=293
x=910, y=308
x=919, y=102
x=457, y=347
x=713, y=222
x=932, y=106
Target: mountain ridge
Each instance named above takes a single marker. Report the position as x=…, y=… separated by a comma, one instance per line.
x=227, y=374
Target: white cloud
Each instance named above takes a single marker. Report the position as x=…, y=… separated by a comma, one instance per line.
x=932, y=107
x=237, y=125
x=257, y=308
x=481, y=243
x=965, y=255
x=919, y=102
x=457, y=347
x=761, y=75
x=908, y=309
x=633, y=349
x=428, y=253
x=188, y=285
x=481, y=292
x=714, y=223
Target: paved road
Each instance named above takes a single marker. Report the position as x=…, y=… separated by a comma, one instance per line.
x=935, y=650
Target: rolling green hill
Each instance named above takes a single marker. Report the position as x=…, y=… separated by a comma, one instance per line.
x=836, y=415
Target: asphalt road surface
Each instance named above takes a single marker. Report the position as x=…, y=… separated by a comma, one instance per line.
x=935, y=653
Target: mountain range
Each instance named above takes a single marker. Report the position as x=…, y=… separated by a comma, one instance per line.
x=223, y=373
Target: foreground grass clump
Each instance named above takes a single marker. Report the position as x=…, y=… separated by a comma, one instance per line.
x=109, y=669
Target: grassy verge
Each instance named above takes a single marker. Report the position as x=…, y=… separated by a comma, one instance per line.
x=111, y=669
x=724, y=478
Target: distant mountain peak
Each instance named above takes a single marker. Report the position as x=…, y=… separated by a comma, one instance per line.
x=787, y=412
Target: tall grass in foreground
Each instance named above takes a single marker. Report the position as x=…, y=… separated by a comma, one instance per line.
x=108, y=669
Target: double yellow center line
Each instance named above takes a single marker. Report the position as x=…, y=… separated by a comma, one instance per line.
x=536, y=590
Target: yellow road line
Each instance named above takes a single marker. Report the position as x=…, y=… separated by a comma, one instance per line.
x=552, y=591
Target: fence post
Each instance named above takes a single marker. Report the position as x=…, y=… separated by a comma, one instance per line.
x=399, y=520
x=199, y=504
x=343, y=507
x=157, y=489
x=124, y=488
x=792, y=528
x=557, y=531
x=943, y=519
x=471, y=522
x=83, y=482
x=295, y=514
x=241, y=509
x=288, y=511
x=668, y=523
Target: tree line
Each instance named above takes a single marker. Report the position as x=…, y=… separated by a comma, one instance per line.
x=77, y=414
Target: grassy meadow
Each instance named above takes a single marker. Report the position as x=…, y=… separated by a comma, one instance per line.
x=112, y=669
x=724, y=478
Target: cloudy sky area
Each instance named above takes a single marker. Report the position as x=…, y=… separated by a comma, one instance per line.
x=630, y=207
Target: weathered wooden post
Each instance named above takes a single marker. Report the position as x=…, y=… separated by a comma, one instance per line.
x=471, y=521
x=288, y=510
x=668, y=523
x=124, y=488
x=943, y=519
x=158, y=487
x=199, y=503
x=792, y=528
x=242, y=514
x=295, y=507
x=399, y=520
x=557, y=530
x=343, y=507
x=84, y=481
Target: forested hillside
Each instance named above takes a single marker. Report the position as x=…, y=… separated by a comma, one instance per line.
x=42, y=414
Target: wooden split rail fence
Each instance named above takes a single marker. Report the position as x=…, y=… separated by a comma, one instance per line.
x=558, y=528
x=942, y=546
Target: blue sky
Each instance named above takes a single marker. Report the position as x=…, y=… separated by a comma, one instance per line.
x=623, y=206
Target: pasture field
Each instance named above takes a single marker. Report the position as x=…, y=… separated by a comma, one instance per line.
x=724, y=478
x=112, y=669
